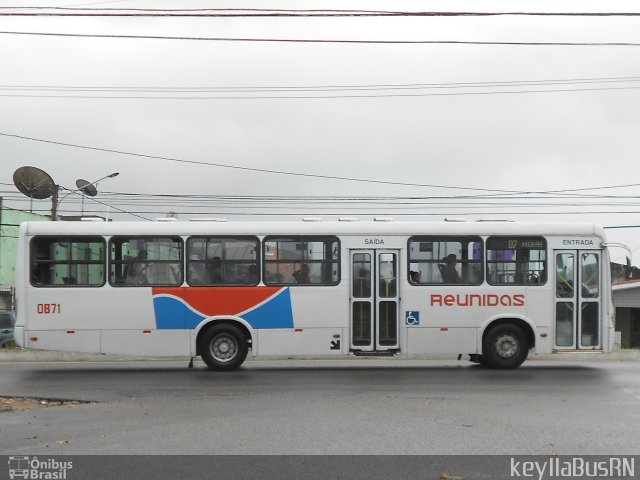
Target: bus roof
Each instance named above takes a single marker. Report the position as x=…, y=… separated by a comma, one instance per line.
x=484, y=228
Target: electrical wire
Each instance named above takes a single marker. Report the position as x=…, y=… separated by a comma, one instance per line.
x=274, y=12
x=383, y=86
x=318, y=202
x=248, y=93
x=251, y=169
x=528, y=195
x=323, y=40
x=308, y=97
x=300, y=174
x=399, y=213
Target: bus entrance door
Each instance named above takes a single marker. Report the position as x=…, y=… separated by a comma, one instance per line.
x=374, y=300
x=577, y=293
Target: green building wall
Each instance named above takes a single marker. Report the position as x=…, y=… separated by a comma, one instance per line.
x=10, y=220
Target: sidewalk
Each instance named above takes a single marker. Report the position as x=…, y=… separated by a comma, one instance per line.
x=8, y=355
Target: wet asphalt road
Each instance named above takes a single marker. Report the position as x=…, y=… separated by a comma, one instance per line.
x=324, y=407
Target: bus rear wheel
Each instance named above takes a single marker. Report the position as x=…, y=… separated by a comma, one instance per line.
x=223, y=347
x=505, y=347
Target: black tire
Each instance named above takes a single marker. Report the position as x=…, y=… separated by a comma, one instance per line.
x=505, y=347
x=223, y=347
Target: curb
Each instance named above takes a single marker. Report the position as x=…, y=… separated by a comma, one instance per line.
x=24, y=355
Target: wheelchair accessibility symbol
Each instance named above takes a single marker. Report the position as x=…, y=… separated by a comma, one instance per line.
x=412, y=318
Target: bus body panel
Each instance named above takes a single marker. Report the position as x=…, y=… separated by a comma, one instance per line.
x=152, y=342
x=301, y=341
x=320, y=307
x=93, y=308
x=295, y=319
x=67, y=340
x=442, y=340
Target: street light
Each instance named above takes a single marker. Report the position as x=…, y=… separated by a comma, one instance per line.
x=84, y=188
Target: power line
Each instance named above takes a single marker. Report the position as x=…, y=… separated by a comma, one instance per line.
x=326, y=40
x=341, y=206
x=135, y=214
x=318, y=88
x=526, y=195
x=399, y=213
x=22, y=198
x=301, y=209
x=252, y=10
x=264, y=12
x=338, y=207
x=309, y=97
x=364, y=202
x=268, y=201
x=300, y=174
x=251, y=169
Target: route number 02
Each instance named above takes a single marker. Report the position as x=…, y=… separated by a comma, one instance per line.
x=48, y=308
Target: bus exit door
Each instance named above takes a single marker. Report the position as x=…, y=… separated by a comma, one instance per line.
x=577, y=292
x=374, y=300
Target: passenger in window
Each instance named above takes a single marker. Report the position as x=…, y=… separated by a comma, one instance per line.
x=215, y=270
x=252, y=274
x=302, y=275
x=414, y=276
x=449, y=273
x=135, y=271
x=542, y=275
x=198, y=274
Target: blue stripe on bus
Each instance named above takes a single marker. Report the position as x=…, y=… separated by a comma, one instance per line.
x=276, y=313
x=172, y=313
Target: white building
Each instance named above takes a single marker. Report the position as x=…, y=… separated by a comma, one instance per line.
x=626, y=298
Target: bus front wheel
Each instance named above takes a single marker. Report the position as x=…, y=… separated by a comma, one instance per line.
x=505, y=346
x=223, y=347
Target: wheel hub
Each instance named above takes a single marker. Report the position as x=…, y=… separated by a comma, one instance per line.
x=224, y=348
x=507, y=346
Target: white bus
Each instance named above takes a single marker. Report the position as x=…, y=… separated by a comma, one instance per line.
x=218, y=290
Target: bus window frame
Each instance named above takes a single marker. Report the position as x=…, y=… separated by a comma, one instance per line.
x=69, y=238
x=302, y=239
x=180, y=262
x=447, y=238
x=257, y=263
x=518, y=237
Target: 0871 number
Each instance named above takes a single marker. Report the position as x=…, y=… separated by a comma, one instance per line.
x=48, y=308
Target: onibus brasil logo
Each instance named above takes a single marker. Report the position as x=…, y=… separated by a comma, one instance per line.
x=33, y=468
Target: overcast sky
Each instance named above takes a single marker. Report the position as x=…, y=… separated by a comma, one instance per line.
x=566, y=129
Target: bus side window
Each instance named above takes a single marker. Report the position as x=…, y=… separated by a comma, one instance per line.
x=66, y=261
x=446, y=259
x=516, y=260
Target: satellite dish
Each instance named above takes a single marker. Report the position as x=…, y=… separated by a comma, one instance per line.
x=89, y=189
x=34, y=183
